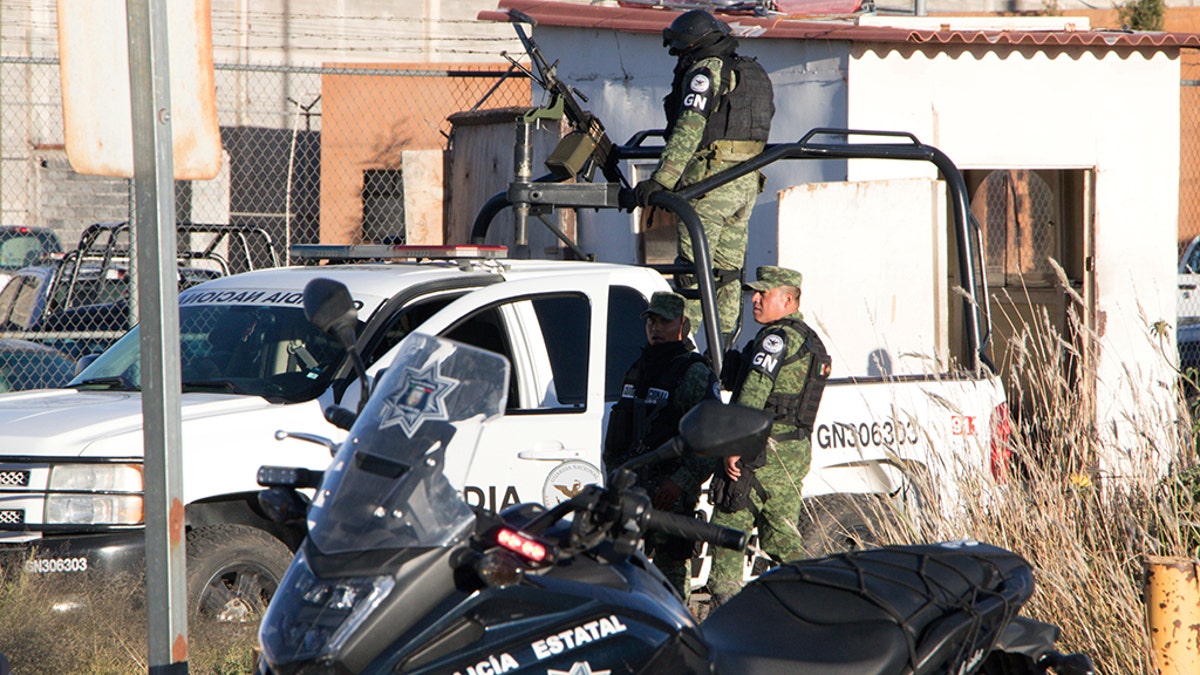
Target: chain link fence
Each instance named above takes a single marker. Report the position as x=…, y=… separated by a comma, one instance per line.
x=332, y=154
x=1188, y=295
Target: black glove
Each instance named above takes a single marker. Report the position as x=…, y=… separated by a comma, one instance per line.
x=643, y=190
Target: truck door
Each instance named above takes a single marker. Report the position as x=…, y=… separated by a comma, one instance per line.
x=547, y=446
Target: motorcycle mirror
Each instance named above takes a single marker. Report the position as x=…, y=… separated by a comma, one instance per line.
x=329, y=307
x=713, y=429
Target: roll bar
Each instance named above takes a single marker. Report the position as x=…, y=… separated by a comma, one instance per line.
x=544, y=192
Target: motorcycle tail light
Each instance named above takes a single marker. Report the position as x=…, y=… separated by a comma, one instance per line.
x=524, y=546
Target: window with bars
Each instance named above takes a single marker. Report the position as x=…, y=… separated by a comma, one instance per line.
x=1018, y=212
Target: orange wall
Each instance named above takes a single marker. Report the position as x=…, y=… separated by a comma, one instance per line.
x=368, y=120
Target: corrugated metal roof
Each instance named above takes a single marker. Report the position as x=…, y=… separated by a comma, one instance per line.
x=643, y=20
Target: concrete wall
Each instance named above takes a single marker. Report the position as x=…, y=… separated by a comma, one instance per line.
x=1116, y=112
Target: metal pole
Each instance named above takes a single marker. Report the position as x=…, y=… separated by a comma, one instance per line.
x=523, y=173
x=158, y=306
x=919, y=7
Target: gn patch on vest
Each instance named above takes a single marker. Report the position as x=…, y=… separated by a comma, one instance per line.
x=768, y=358
x=699, y=94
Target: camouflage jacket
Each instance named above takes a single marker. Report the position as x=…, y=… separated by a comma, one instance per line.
x=764, y=370
x=682, y=148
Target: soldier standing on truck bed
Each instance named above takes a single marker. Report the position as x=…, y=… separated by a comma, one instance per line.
x=719, y=114
x=667, y=380
x=783, y=371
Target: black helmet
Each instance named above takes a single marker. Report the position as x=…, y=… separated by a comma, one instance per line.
x=690, y=28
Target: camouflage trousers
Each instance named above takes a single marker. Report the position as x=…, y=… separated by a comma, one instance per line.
x=777, y=519
x=725, y=215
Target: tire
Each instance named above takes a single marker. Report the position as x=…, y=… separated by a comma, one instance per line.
x=232, y=571
x=837, y=523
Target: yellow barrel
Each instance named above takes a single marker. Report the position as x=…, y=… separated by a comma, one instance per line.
x=1173, y=613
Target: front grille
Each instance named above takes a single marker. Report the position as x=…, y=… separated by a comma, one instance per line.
x=14, y=477
x=12, y=516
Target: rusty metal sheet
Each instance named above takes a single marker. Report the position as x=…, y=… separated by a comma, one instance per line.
x=95, y=84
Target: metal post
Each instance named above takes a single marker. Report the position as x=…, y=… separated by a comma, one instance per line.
x=158, y=306
x=919, y=7
x=523, y=173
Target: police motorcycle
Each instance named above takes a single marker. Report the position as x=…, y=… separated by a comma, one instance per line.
x=399, y=574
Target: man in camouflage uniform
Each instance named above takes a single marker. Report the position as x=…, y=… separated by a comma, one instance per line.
x=712, y=127
x=666, y=381
x=779, y=371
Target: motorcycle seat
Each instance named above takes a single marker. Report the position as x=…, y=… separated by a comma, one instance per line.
x=898, y=609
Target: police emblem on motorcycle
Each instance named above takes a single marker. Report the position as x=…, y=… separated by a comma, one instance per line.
x=420, y=397
x=567, y=480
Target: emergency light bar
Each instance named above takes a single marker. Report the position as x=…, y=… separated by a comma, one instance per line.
x=394, y=252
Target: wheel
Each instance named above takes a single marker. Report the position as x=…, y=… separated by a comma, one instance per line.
x=233, y=570
x=837, y=523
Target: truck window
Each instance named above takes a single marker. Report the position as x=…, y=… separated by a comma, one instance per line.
x=18, y=302
x=401, y=323
x=563, y=322
x=485, y=330
x=626, y=337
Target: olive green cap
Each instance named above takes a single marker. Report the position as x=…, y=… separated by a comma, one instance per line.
x=667, y=305
x=773, y=277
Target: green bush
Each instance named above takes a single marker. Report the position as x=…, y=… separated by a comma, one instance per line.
x=1142, y=14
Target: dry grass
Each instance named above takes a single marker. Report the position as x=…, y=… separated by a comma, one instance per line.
x=1086, y=533
x=106, y=633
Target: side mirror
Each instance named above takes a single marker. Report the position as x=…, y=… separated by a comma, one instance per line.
x=713, y=429
x=84, y=362
x=329, y=307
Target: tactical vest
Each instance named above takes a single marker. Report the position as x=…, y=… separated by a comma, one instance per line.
x=648, y=413
x=741, y=114
x=794, y=409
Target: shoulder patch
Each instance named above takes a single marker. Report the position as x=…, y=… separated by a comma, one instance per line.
x=773, y=344
x=767, y=357
x=699, y=94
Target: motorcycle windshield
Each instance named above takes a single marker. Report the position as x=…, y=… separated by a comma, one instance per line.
x=396, y=481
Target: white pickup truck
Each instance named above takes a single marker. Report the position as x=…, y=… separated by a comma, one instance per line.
x=71, y=472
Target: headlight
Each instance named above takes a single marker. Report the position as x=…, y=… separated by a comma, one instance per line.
x=96, y=477
x=310, y=618
x=94, y=510
x=117, y=498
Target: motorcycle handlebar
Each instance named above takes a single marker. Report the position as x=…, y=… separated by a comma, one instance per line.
x=695, y=530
